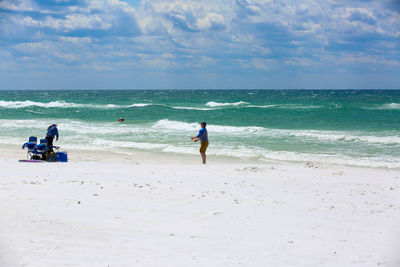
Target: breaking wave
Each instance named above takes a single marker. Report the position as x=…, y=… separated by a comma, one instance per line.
x=247, y=142
x=216, y=104
x=62, y=104
x=390, y=106
x=208, y=106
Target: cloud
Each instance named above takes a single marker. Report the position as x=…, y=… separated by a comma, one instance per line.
x=189, y=16
x=69, y=23
x=75, y=40
x=17, y=5
x=233, y=37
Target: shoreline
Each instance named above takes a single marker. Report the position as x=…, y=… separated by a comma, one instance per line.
x=151, y=157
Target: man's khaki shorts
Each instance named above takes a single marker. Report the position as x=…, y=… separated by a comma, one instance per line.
x=203, y=147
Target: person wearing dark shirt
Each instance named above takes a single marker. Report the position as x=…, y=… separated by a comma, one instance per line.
x=203, y=137
x=52, y=132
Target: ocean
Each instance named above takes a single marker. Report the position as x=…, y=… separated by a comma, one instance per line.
x=350, y=127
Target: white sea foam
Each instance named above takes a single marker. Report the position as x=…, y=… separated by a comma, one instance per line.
x=112, y=106
x=248, y=105
x=140, y=105
x=27, y=103
x=296, y=106
x=244, y=152
x=62, y=104
x=262, y=106
x=252, y=131
x=103, y=129
x=230, y=141
x=127, y=144
x=390, y=106
x=175, y=125
x=216, y=104
x=337, y=136
x=337, y=159
x=192, y=108
x=53, y=104
x=190, y=127
x=284, y=106
x=210, y=105
x=170, y=127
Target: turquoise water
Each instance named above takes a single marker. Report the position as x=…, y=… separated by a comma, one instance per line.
x=353, y=127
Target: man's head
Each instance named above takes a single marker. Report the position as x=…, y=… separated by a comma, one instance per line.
x=203, y=124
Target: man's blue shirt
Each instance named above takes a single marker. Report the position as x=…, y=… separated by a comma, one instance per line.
x=201, y=132
x=203, y=135
x=53, y=131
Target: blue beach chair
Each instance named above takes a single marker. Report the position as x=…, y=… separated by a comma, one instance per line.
x=33, y=140
x=49, y=149
x=43, y=141
x=30, y=145
x=39, y=149
x=37, y=152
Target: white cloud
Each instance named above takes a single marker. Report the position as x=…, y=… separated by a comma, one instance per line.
x=158, y=63
x=366, y=60
x=18, y=5
x=31, y=47
x=171, y=16
x=209, y=21
x=71, y=22
x=96, y=66
x=76, y=21
x=76, y=40
x=228, y=35
x=261, y=64
x=66, y=56
x=297, y=61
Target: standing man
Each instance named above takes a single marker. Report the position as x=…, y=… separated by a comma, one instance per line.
x=203, y=137
x=52, y=132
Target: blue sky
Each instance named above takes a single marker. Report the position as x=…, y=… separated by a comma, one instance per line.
x=132, y=44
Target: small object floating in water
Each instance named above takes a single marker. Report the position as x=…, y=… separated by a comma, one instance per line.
x=121, y=120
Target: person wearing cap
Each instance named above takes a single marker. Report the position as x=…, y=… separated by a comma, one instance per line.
x=203, y=137
x=52, y=132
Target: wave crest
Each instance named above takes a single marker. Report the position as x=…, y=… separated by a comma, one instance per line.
x=28, y=103
x=216, y=104
x=63, y=104
x=186, y=126
x=391, y=106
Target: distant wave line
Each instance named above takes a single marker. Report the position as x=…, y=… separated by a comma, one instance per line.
x=106, y=128
x=63, y=104
x=209, y=106
x=389, y=106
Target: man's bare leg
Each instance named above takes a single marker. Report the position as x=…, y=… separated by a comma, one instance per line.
x=203, y=156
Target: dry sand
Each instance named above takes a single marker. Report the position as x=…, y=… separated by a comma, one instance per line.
x=103, y=209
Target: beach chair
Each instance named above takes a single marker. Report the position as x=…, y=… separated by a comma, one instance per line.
x=30, y=145
x=43, y=152
x=44, y=141
x=33, y=140
x=50, y=150
x=38, y=151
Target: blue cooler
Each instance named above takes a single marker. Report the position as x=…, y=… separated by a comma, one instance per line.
x=62, y=156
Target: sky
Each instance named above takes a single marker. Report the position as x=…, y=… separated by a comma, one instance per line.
x=208, y=44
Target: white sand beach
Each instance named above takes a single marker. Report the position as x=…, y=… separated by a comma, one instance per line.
x=101, y=209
